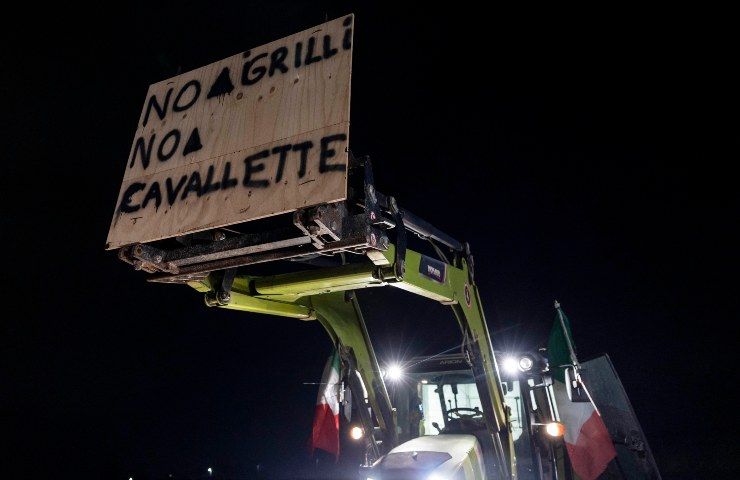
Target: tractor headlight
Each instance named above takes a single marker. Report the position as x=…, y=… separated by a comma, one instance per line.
x=526, y=363
x=395, y=372
x=510, y=365
x=356, y=433
x=555, y=429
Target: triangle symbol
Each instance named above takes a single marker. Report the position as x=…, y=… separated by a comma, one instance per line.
x=222, y=85
x=193, y=144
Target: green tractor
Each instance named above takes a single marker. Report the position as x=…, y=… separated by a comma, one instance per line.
x=454, y=417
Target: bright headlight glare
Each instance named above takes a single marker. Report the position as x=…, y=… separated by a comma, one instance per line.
x=395, y=372
x=356, y=433
x=510, y=365
x=525, y=364
x=555, y=429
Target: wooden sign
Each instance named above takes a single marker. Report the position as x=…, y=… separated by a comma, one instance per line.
x=261, y=133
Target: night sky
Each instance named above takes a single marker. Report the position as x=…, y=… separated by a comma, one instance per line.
x=579, y=152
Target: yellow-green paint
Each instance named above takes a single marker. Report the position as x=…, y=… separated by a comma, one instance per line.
x=248, y=303
x=343, y=321
x=318, y=294
x=315, y=282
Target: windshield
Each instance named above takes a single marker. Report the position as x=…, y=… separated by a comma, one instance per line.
x=467, y=397
x=431, y=403
x=426, y=399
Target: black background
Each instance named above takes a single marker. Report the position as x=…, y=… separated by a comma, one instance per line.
x=579, y=152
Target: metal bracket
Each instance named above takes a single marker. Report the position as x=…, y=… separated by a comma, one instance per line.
x=399, y=267
x=323, y=224
x=371, y=199
x=373, y=216
x=224, y=293
x=471, y=262
x=147, y=258
x=221, y=293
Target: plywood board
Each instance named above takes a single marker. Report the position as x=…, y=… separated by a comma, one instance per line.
x=260, y=133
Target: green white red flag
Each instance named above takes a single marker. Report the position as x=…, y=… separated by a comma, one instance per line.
x=587, y=439
x=325, y=432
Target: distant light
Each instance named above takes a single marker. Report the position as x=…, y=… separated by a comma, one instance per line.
x=356, y=433
x=555, y=429
x=395, y=372
x=425, y=381
x=130, y=478
x=511, y=366
x=210, y=471
x=525, y=363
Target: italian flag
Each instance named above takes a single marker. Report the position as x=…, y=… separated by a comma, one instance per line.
x=325, y=432
x=587, y=440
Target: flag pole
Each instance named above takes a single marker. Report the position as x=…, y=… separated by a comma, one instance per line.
x=568, y=341
x=573, y=357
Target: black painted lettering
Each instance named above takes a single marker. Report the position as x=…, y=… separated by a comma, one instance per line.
x=303, y=147
x=310, y=58
x=154, y=193
x=193, y=144
x=227, y=181
x=298, y=53
x=283, y=151
x=276, y=61
x=144, y=150
x=257, y=72
x=193, y=185
x=209, y=186
x=173, y=191
x=161, y=110
x=347, y=40
x=126, y=200
x=222, y=85
x=255, y=165
x=174, y=134
x=327, y=153
x=328, y=50
x=176, y=107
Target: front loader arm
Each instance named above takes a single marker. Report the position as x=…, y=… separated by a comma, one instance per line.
x=322, y=294
x=328, y=299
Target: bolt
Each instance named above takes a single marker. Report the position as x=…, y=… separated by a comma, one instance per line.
x=373, y=216
x=158, y=259
x=373, y=239
x=223, y=297
x=334, y=226
x=218, y=236
x=313, y=229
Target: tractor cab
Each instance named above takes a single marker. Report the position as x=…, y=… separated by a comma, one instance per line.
x=438, y=409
